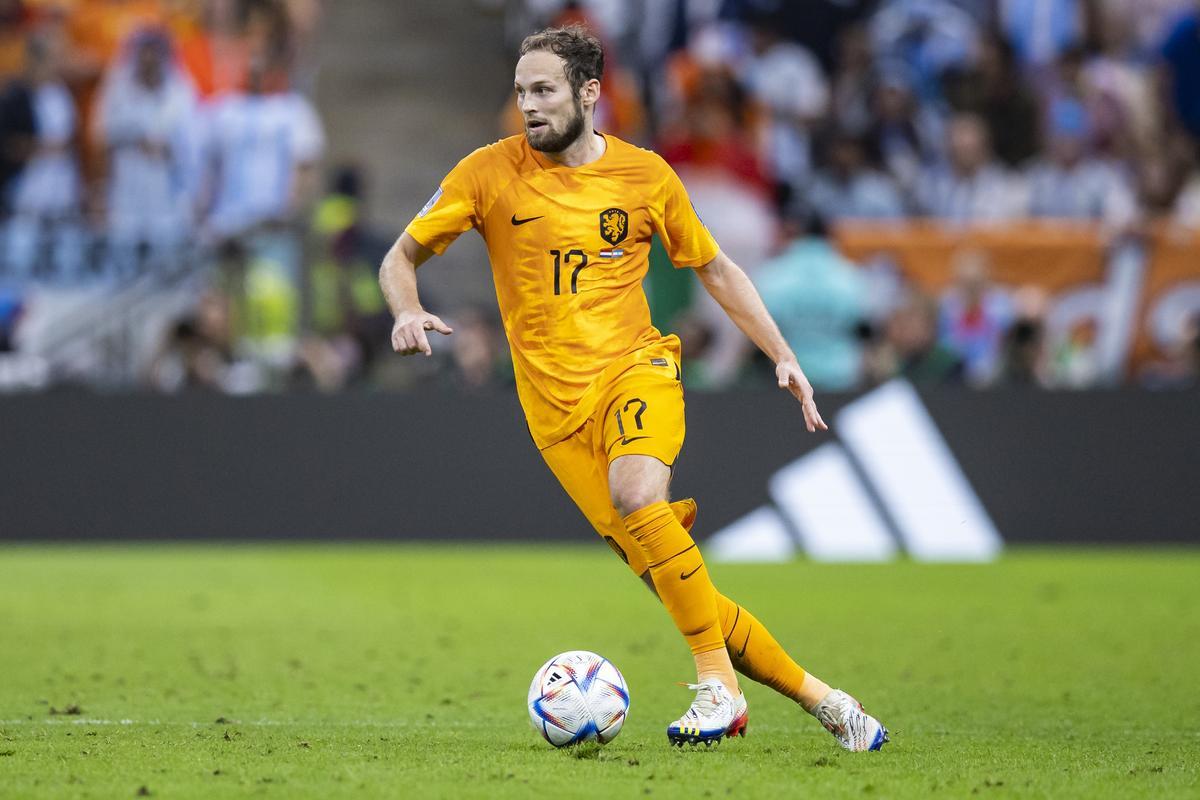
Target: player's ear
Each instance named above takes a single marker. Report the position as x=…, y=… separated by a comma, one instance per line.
x=589, y=93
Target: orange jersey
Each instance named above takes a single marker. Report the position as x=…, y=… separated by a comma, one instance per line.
x=569, y=249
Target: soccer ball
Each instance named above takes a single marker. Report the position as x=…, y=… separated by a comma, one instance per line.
x=578, y=696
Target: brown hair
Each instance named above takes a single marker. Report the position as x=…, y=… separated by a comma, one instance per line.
x=580, y=51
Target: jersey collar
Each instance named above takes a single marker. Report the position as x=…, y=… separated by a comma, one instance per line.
x=546, y=163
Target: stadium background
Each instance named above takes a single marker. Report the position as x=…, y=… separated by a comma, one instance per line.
x=976, y=197
x=996, y=201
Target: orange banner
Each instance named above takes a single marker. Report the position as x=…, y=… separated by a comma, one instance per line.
x=1141, y=295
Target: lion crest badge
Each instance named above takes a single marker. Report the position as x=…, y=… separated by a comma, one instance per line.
x=614, y=225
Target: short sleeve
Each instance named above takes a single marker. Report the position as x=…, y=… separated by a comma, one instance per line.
x=452, y=210
x=687, y=241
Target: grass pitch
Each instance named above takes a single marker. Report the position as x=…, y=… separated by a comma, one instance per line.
x=401, y=671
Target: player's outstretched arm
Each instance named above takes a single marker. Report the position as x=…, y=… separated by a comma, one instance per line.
x=398, y=279
x=733, y=290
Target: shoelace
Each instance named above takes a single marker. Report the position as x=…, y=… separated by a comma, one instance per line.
x=835, y=714
x=708, y=700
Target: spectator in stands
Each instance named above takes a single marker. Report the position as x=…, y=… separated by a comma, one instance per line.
x=710, y=140
x=848, y=188
x=262, y=147
x=928, y=37
x=48, y=187
x=732, y=195
x=1074, y=362
x=346, y=309
x=1024, y=350
x=198, y=353
x=973, y=318
x=1118, y=88
x=1181, y=71
x=909, y=346
x=904, y=136
x=854, y=82
x=211, y=46
x=787, y=81
x=1063, y=81
x=18, y=136
x=818, y=298
x=993, y=87
x=971, y=186
x=147, y=115
x=816, y=25
x=96, y=31
x=1070, y=184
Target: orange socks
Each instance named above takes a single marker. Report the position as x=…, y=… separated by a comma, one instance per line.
x=679, y=575
x=752, y=649
x=707, y=618
x=755, y=653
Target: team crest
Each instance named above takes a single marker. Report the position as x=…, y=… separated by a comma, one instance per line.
x=614, y=225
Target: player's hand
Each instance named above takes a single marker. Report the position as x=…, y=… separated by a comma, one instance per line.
x=791, y=377
x=408, y=334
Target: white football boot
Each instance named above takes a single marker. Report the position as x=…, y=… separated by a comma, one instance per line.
x=855, y=729
x=715, y=714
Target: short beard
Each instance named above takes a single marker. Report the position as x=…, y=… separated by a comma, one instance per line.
x=557, y=142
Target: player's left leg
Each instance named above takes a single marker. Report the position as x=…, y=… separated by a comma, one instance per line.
x=752, y=649
x=756, y=654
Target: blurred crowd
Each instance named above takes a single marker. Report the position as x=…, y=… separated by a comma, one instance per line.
x=161, y=128
x=787, y=119
x=157, y=119
x=151, y=137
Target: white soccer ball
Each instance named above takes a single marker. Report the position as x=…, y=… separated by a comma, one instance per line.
x=578, y=696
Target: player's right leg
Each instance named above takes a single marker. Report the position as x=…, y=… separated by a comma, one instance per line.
x=638, y=485
x=585, y=480
x=582, y=469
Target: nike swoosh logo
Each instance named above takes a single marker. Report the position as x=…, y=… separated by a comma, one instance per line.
x=743, y=650
x=516, y=221
x=623, y=440
x=683, y=576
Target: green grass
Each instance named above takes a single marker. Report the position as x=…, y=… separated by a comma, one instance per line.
x=389, y=671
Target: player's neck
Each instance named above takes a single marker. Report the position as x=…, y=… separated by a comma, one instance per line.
x=583, y=150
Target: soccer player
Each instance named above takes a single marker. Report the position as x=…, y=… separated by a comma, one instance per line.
x=567, y=214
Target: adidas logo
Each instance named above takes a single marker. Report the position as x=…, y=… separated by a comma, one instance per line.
x=890, y=483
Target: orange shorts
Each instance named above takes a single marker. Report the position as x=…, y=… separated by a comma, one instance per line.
x=641, y=413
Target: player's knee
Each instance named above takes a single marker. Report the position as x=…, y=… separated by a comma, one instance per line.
x=637, y=481
x=628, y=499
